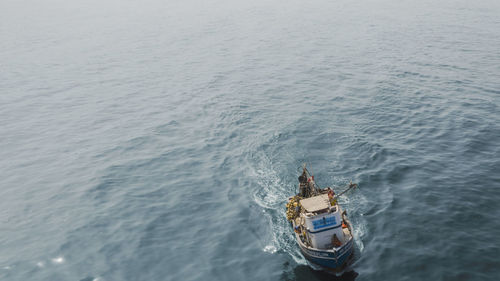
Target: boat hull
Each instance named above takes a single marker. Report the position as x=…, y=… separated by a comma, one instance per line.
x=336, y=261
x=319, y=225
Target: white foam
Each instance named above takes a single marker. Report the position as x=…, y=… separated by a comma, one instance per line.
x=270, y=249
x=271, y=196
x=354, y=203
x=58, y=260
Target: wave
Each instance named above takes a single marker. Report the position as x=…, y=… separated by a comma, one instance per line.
x=271, y=195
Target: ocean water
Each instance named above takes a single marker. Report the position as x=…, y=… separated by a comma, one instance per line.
x=159, y=140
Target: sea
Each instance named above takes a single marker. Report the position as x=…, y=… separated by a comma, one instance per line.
x=160, y=139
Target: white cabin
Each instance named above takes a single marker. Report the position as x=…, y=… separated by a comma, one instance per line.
x=322, y=221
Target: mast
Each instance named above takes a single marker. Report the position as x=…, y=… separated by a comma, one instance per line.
x=307, y=186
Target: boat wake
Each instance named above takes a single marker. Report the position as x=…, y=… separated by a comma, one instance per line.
x=271, y=196
x=354, y=203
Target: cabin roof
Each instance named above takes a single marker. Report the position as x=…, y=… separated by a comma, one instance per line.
x=316, y=203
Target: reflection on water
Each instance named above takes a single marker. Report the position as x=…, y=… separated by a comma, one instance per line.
x=304, y=272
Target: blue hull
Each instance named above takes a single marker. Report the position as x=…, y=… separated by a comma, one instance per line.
x=336, y=261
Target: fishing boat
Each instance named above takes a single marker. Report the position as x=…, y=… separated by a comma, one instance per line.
x=322, y=229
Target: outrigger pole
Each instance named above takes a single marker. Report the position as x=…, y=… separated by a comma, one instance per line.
x=351, y=186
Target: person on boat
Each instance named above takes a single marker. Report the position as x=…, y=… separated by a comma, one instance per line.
x=331, y=197
x=303, y=184
x=343, y=224
x=335, y=241
x=297, y=229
